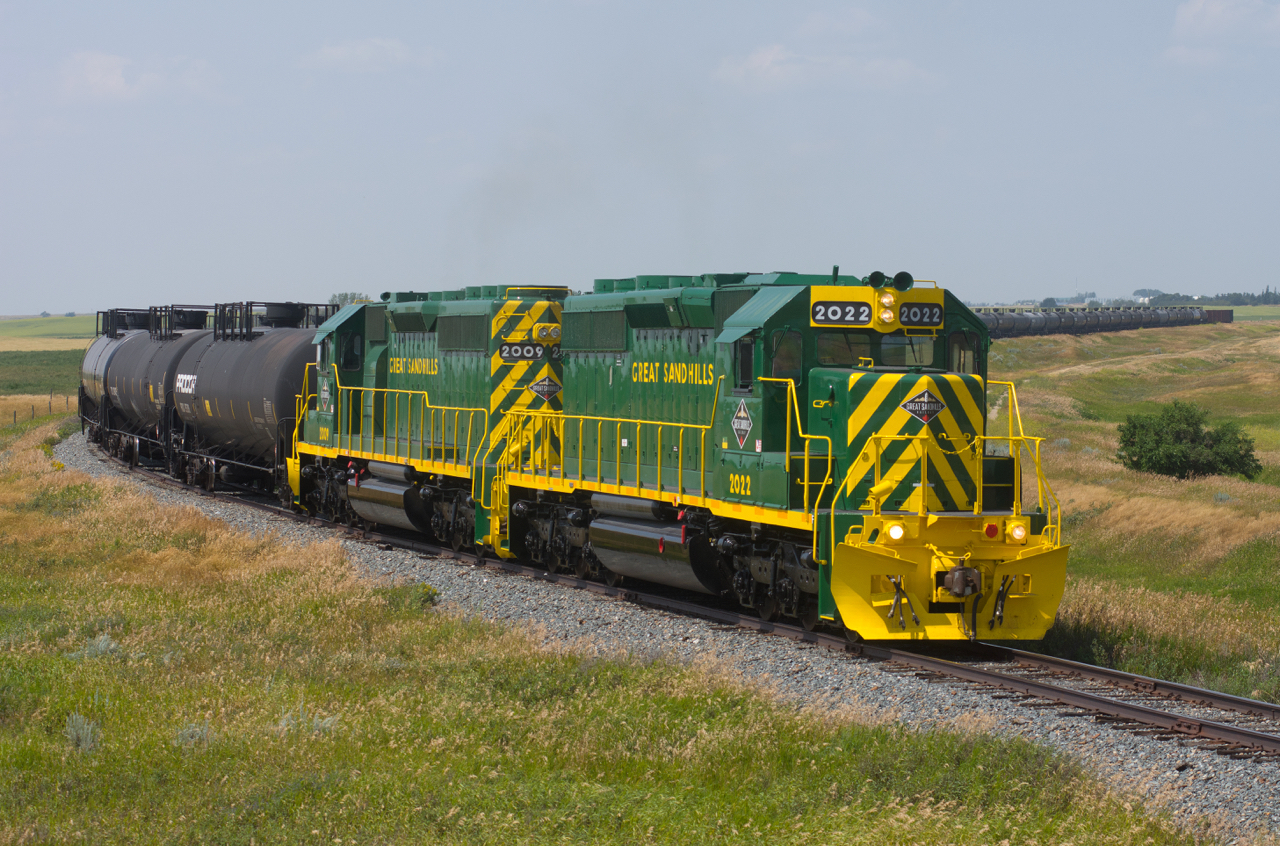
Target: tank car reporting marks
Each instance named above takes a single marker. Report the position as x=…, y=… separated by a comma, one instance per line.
x=185, y=383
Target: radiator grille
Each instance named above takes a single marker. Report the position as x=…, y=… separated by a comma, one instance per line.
x=594, y=330
x=463, y=332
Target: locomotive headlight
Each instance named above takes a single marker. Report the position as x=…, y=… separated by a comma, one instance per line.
x=555, y=332
x=1016, y=532
x=886, y=299
x=886, y=315
x=895, y=531
x=544, y=332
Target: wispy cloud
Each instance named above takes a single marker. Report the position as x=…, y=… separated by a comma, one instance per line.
x=366, y=55
x=775, y=67
x=1217, y=18
x=1204, y=31
x=107, y=77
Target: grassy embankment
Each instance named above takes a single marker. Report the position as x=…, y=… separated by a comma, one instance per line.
x=164, y=678
x=1172, y=579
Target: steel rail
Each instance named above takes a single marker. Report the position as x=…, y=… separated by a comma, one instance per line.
x=1237, y=738
x=1141, y=684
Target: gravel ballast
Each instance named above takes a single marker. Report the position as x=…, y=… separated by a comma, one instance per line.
x=1239, y=798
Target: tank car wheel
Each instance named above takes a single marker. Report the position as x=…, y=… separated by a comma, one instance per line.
x=611, y=578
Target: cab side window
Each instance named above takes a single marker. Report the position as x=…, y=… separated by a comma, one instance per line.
x=788, y=357
x=744, y=353
x=961, y=357
x=351, y=349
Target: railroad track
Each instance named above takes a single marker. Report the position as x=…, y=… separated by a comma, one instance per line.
x=1229, y=725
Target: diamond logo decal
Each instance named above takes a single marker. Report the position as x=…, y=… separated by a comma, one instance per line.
x=924, y=406
x=741, y=423
x=546, y=387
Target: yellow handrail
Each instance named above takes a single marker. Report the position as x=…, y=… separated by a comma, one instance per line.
x=794, y=403
x=404, y=407
x=553, y=422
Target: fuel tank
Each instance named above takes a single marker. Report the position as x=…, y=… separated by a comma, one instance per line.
x=238, y=394
x=653, y=551
x=389, y=503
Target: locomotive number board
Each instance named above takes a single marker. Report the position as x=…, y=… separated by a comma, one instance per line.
x=521, y=352
x=884, y=309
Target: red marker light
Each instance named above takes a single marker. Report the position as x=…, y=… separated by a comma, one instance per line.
x=991, y=530
x=661, y=544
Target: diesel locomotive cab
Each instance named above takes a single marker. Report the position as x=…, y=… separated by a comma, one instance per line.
x=928, y=534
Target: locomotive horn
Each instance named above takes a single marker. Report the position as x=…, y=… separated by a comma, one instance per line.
x=876, y=279
x=903, y=281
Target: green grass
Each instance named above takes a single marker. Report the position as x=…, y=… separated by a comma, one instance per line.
x=40, y=372
x=80, y=326
x=1257, y=312
x=1245, y=574
x=162, y=679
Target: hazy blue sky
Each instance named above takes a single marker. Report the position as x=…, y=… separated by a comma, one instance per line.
x=167, y=152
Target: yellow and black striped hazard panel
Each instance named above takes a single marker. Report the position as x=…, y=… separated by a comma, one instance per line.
x=893, y=417
x=525, y=371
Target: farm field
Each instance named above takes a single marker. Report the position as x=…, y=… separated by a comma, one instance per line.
x=165, y=678
x=40, y=372
x=80, y=326
x=1257, y=312
x=1167, y=578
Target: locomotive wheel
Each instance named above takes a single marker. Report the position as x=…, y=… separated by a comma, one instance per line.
x=766, y=605
x=457, y=541
x=809, y=615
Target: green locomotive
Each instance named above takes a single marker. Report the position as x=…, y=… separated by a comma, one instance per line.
x=814, y=446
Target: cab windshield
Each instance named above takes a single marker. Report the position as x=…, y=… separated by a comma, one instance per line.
x=902, y=351
x=852, y=349
x=842, y=349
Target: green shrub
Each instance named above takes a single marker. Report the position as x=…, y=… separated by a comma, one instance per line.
x=1176, y=442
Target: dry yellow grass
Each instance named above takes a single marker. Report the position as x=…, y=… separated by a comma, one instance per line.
x=1209, y=621
x=22, y=405
x=10, y=344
